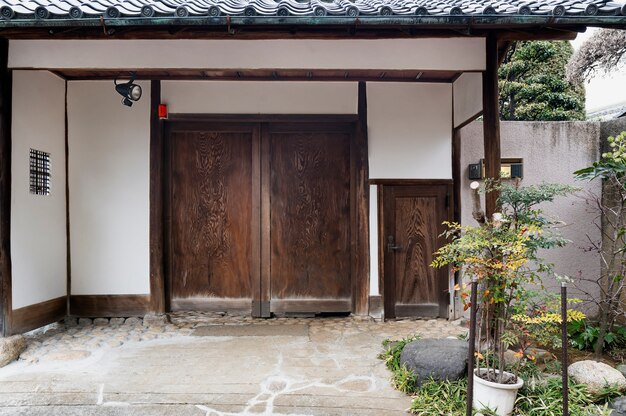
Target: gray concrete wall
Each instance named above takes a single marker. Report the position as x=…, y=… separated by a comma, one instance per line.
x=552, y=151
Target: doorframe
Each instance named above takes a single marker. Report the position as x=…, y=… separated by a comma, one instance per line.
x=359, y=196
x=382, y=185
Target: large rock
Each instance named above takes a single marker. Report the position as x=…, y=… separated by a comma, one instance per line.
x=596, y=375
x=441, y=359
x=619, y=406
x=11, y=348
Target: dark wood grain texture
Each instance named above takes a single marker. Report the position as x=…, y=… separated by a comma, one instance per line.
x=413, y=224
x=68, y=245
x=491, y=121
x=157, y=265
x=360, y=206
x=211, y=197
x=35, y=316
x=266, y=241
x=310, y=214
x=5, y=189
x=92, y=306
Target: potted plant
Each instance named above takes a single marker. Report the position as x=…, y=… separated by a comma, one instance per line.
x=501, y=254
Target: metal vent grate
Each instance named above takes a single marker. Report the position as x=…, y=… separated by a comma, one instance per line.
x=39, y=172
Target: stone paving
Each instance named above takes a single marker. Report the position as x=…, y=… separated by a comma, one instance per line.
x=158, y=366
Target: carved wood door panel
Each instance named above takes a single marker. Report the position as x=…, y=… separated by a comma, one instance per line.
x=309, y=199
x=214, y=228
x=413, y=216
x=260, y=217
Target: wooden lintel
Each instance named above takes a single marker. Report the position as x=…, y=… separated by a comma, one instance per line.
x=545, y=34
x=5, y=189
x=491, y=121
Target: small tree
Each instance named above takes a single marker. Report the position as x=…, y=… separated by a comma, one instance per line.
x=611, y=207
x=502, y=255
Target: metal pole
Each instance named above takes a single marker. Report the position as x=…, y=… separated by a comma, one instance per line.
x=564, y=347
x=472, y=347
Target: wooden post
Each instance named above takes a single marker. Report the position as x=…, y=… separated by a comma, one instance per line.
x=360, y=267
x=157, y=266
x=491, y=121
x=5, y=189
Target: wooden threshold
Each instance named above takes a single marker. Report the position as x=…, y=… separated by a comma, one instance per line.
x=108, y=306
x=243, y=305
x=281, y=306
x=35, y=316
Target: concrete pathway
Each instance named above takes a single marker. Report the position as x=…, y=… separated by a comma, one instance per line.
x=210, y=365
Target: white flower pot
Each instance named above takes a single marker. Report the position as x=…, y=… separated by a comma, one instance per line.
x=500, y=398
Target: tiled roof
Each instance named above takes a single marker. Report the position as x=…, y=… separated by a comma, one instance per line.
x=114, y=9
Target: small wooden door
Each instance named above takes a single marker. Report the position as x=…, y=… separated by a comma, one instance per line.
x=214, y=208
x=310, y=218
x=413, y=216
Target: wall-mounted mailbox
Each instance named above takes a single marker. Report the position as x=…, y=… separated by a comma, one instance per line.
x=510, y=168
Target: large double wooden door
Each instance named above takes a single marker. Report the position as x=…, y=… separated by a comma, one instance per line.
x=259, y=217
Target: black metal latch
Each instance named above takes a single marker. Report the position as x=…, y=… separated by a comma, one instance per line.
x=391, y=247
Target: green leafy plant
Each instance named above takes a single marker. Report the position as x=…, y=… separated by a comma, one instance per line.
x=402, y=378
x=501, y=253
x=539, y=320
x=584, y=336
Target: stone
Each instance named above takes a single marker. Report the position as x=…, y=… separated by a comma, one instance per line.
x=596, y=375
x=441, y=359
x=618, y=405
x=84, y=321
x=541, y=356
x=152, y=319
x=11, y=348
x=622, y=369
x=101, y=321
x=511, y=358
x=116, y=321
x=70, y=321
x=132, y=321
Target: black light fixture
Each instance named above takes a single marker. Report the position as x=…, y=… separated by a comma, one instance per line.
x=129, y=90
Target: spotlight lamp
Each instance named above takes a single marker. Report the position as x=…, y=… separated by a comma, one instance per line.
x=128, y=90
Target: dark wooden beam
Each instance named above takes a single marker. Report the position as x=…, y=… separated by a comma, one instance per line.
x=360, y=271
x=95, y=306
x=35, y=316
x=68, y=245
x=5, y=189
x=456, y=173
x=259, y=74
x=491, y=121
x=157, y=265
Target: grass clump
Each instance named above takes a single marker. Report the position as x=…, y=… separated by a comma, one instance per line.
x=403, y=379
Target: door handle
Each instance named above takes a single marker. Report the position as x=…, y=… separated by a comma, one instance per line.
x=391, y=246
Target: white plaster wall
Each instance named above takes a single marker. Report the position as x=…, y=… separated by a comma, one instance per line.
x=468, y=96
x=462, y=54
x=409, y=130
x=38, y=222
x=109, y=162
x=248, y=97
